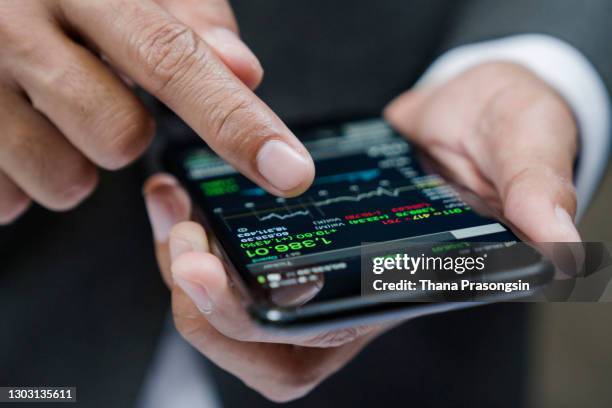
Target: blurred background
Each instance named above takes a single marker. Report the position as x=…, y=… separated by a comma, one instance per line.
x=572, y=350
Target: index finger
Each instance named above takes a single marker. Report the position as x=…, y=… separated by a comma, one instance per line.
x=173, y=63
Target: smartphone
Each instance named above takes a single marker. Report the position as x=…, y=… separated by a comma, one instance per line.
x=299, y=261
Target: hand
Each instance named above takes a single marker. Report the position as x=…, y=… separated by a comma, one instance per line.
x=208, y=312
x=507, y=136
x=64, y=109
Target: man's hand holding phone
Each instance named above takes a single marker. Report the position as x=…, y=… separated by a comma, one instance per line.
x=505, y=133
x=210, y=315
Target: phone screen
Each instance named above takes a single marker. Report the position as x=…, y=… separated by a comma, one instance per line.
x=369, y=188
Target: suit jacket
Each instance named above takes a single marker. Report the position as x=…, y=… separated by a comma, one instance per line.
x=81, y=300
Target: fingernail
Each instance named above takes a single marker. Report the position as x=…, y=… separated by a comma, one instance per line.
x=196, y=292
x=161, y=215
x=282, y=166
x=566, y=223
x=228, y=43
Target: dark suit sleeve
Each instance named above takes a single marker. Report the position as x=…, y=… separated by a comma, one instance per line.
x=585, y=24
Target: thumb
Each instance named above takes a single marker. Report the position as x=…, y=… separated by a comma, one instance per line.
x=167, y=205
x=541, y=204
x=529, y=155
x=214, y=22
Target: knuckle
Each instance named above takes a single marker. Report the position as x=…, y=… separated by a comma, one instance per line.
x=126, y=138
x=122, y=125
x=66, y=81
x=168, y=50
x=234, y=124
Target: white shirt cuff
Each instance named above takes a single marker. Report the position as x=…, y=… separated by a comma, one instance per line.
x=567, y=71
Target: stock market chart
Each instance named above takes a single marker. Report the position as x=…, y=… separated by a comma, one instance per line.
x=369, y=188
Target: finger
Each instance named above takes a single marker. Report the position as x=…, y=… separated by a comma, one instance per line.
x=13, y=201
x=539, y=202
x=87, y=102
x=168, y=59
x=203, y=278
x=214, y=21
x=281, y=372
x=167, y=205
x=38, y=159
